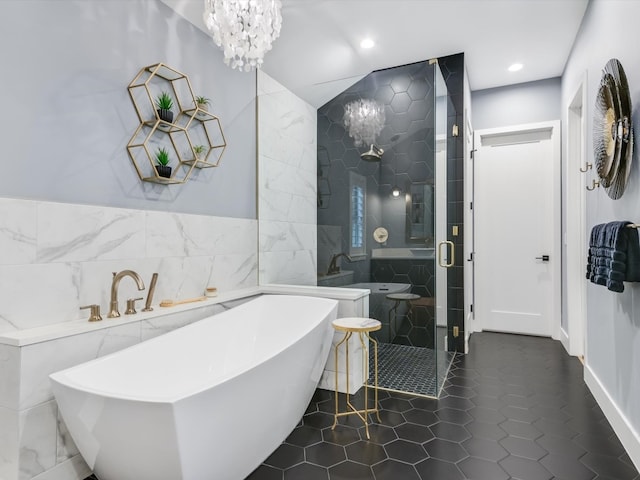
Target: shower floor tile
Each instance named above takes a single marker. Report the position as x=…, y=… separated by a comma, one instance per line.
x=417, y=370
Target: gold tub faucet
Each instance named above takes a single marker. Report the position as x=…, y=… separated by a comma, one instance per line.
x=114, y=313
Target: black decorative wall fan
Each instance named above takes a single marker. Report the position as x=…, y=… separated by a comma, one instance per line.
x=612, y=130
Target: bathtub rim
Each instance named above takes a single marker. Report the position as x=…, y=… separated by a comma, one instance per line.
x=62, y=378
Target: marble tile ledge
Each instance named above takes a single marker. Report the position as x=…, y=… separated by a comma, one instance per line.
x=46, y=333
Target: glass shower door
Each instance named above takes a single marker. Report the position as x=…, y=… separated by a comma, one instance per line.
x=444, y=249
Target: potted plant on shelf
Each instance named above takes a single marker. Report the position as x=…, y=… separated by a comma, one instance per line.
x=198, y=150
x=162, y=166
x=164, y=103
x=203, y=103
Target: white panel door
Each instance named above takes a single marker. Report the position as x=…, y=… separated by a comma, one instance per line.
x=517, y=228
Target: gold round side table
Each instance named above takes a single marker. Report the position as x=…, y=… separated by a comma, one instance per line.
x=361, y=326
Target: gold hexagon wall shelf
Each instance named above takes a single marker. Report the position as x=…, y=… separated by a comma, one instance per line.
x=188, y=132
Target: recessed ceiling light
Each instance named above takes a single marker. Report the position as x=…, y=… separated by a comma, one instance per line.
x=367, y=43
x=515, y=67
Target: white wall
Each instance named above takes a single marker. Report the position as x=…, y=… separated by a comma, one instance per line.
x=609, y=30
x=522, y=103
x=287, y=185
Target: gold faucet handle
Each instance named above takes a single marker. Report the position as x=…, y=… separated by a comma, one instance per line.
x=94, y=315
x=131, y=306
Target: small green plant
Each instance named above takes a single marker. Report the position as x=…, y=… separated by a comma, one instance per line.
x=162, y=157
x=202, y=100
x=164, y=101
x=198, y=149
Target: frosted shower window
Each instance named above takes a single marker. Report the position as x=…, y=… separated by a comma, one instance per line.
x=358, y=194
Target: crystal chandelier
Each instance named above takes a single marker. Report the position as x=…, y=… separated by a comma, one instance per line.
x=244, y=29
x=364, y=119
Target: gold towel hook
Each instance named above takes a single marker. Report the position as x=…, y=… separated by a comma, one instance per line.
x=588, y=167
x=593, y=186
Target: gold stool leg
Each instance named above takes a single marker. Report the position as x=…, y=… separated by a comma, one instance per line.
x=346, y=337
x=365, y=368
x=375, y=374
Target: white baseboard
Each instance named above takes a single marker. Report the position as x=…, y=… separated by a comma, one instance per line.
x=625, y=431
x=564, y=339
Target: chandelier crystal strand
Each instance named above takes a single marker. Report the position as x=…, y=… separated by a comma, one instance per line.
x=244, y=29
x=364, y=119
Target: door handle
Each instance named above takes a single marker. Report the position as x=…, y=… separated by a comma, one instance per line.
x=544, y=258
x=452, y=258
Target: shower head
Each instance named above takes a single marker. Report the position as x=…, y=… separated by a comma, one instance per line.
x=373, y=154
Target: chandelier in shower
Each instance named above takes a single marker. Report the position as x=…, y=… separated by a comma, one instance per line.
x=364, y=119
x=244, y=29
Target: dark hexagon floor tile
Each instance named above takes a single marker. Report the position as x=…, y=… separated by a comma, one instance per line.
x=325, y=454
x=318, y=420
x=487, y=414
x=589, y=427
x=485, y=430
x=264, y=472
x=405, y=451
x=565, y=467
x=388, y=418
x=285, y=456
x=306, y=471
x=487, y=402
x=379, y=434
x=304, y=436
x=456, y=391
x=413, y=432
x=560, y=446
x=341, y=435
x=520, y=429
x=450, y=431
x=428, y=404
x=606, y=466
x=525, y=469
x=487, y=390
x=445, y=450
x=421, y=417
x=396, y=404
x=459, y=403
x=519, y=414
x=394, y=470
x=452, y=415
x=523, y=447
x=486, y=449
x=434, y=469
x=479, y=469
x=462, y=381
x=513, y=400
x=366, y=453
x=599, y=445
x=556, y=429
x=547, y=400
x=350, y=471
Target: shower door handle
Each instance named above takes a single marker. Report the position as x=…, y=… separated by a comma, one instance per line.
x=452, y=258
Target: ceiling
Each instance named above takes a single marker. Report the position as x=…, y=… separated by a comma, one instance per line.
x=318, y=53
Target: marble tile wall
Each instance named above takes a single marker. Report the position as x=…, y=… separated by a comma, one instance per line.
x=329, y=243
x=287, y=185
x=57, y=257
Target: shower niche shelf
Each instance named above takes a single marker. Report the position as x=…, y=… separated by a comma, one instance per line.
x=194, y=137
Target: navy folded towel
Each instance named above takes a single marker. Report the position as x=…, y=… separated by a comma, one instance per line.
x=614, y=255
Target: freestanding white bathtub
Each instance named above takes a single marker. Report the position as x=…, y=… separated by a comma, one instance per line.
x=208, y=401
